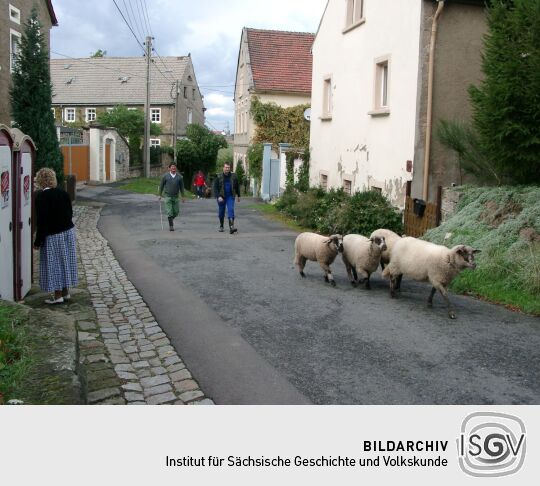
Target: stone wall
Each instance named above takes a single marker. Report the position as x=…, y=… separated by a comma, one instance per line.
x=449, y=202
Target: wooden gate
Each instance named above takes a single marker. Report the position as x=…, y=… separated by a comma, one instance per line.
x=416, y=225
x=77, y=161
x=108, y=162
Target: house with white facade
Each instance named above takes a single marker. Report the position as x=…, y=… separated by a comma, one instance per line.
x=385, y=72
x=274, y=66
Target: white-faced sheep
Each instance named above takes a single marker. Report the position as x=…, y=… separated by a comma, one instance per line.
x=390, y=238
x=428, y=262
x=317, y=248
x=362, y=256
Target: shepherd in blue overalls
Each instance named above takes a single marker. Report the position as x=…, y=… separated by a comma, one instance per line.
x=225, y=189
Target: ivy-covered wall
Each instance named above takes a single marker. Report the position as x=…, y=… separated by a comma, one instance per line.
x=277, y=125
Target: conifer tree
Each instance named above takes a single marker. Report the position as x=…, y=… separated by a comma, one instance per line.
x=31, y=96
x=506, y=105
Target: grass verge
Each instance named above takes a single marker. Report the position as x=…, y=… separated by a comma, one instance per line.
x=147, y=185
x=271, y=212
x=503, y=222
x=15, y=360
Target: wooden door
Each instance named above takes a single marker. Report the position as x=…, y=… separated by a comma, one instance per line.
x=108, y=162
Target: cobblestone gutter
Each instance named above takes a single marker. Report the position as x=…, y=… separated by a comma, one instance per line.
x=126, y=356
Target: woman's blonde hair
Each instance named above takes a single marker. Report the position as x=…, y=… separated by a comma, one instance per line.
x=46, y=178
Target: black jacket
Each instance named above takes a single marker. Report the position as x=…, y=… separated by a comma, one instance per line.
x=219, y=187
x=53, y=214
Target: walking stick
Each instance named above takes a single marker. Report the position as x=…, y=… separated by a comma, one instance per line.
x=161, y=216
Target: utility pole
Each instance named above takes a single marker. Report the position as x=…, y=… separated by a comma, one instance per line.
x=175, y=128
x=146, y=145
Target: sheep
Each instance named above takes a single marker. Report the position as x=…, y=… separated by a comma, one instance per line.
x=390, y=238
x=322, y=249
x=362, y=256
x=424, y=261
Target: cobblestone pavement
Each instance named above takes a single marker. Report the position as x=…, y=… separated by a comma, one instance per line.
x=126, y=355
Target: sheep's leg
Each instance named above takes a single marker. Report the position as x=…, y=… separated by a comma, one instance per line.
x=368, y=284
x=328, y=277
x=430, y=298
x=398, y=282
x=382, y=266
x=444, y=293
x=300, y=264
x=393, y=285
x=350, y=272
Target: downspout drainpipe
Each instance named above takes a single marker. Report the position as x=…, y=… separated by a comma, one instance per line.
x=431, y=63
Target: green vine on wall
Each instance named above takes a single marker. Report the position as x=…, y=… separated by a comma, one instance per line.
x=277, y=125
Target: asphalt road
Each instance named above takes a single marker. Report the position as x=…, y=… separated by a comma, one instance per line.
x=253, y=332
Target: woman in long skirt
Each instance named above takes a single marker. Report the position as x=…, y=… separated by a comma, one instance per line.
x=55, y=238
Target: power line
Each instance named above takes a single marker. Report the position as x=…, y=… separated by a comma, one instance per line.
x=137, y=21
x=147, y=17
x=142, y=16
x=127, y=23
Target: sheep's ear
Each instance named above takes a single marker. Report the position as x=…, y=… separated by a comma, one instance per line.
x=477, y=251
x=327, y=242
x=460, y=249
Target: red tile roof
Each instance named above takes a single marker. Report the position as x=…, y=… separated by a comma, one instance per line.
x=280, y=61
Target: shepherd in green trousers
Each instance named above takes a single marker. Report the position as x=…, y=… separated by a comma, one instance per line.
x=172, y=183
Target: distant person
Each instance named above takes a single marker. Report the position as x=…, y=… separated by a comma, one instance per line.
x=172, y=183
x=55, y=238
x=225, y=189
x=200, y=184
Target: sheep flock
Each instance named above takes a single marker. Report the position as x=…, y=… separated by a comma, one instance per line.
x=398, y=257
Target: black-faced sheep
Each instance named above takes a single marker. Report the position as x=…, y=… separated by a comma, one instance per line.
x=390, y=238
x=425, y=261
x=317, y=248
x=362, y=256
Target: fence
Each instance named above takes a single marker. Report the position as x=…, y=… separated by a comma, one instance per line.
x=418, y=220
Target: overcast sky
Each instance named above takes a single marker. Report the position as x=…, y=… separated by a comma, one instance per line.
x=208, y=29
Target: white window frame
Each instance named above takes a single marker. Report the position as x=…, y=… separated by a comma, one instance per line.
x=354, y=14
x=348, y=190
x=67, y=112
x=53, y=112
x=109, y=109
x=132, y=109
x=327, y=98
x=14, y=18
x=155, y=142
x=12, y=54
x=381, y=88
x=323, y=180
x=88, y=113
x=189, y=115
x=155, y=115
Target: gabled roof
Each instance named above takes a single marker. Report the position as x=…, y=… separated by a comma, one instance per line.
x=280, y=61
x=114, y=80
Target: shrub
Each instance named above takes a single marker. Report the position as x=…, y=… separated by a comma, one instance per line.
x=337, y=212
x=365, y=212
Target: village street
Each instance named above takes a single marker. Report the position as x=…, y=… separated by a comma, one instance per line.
x=251, y=331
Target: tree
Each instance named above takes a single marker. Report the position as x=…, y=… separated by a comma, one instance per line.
x=201, y=153
x=506, y=105
x=130, y=124
x=31, y=96
x=99, y=53
x=240, y=173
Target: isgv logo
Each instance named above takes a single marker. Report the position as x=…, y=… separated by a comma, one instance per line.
x=491, y=444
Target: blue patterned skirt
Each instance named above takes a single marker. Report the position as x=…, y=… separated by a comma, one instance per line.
x=58, y=262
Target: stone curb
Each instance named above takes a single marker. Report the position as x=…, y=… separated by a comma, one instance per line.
x=127, y=357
